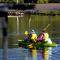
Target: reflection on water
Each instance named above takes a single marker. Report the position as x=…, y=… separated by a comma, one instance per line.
x=27, y=54
x=33, y=54
x=42, y=54
x=47, y=53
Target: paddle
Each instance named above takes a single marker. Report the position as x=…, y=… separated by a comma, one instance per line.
x=46, y=26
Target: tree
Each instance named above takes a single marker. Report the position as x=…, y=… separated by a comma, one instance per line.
x=42, y=1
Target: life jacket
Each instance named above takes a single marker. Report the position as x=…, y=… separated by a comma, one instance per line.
x=46, y=36
x=34, y=37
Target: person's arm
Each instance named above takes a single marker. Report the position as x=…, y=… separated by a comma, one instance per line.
x=40, y=38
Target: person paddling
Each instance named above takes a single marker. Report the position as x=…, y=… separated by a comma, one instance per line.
x=40, y=37
x=44, y=37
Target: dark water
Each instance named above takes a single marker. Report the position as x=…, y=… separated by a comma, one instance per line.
x=26, y=54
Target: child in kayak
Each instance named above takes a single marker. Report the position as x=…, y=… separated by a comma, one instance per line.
x=26, y=35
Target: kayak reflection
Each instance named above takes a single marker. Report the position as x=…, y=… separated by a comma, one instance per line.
x=34, y=54
x=42, y=54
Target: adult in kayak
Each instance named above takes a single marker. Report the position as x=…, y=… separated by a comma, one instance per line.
x=33, y=39
x=44, y=37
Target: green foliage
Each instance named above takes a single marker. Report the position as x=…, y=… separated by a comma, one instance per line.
x=11, y=1
x=22, y=1
x=7, y=0
x=42, y=1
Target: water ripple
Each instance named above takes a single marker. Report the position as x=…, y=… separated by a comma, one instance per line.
x=21, y=54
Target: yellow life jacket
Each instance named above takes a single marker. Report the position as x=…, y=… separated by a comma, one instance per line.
x=46, y=36
x=34, y=37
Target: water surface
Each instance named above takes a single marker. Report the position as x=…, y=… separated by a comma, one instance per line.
x=27, y=54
